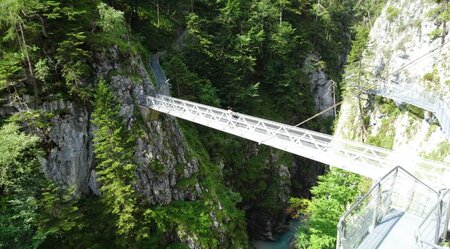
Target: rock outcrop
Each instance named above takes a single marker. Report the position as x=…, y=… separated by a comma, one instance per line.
x=161, y=152
x=322, y=87
x=70, y=160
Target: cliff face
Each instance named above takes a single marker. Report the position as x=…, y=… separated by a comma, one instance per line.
x=407, y=46
x=161, y=152
x=70, y=160
x=322, y=87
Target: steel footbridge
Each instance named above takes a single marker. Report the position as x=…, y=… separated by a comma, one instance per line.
x=403, y=210
x=359, y=158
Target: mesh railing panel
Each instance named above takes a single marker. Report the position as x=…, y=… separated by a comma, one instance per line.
x=398, y=191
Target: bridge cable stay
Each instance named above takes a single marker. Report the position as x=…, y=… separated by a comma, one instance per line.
x=418, y=58
x=308, y=119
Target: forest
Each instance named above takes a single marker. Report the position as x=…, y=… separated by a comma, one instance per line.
x=247, y=54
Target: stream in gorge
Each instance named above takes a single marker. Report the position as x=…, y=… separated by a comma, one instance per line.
x=283, y=241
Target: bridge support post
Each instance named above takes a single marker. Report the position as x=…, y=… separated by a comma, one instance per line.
x=438, y=222
x=447, y=219
x=391, y=190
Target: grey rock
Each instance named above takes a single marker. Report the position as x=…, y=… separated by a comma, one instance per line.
x=70, y=158
x=322, y=87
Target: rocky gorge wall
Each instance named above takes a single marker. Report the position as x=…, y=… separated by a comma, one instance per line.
x=71, y=161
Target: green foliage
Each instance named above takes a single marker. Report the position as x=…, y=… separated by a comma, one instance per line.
x=13, y=149
x=392, y=13
x=298, y=206
x=211, y=179
x=335, y=190
x=187, y=218
x=429, y=77
x=157, y=167
x=10, y=68
x=416, y=111
x=440, y=153
x=187, y=183
x=436, y=33
x=386, y=135
x=111, y=20
x=74, y=60
x=32, y=210
x=42, y=69
x=189, y=84
x=114, y=152
x=359, y=44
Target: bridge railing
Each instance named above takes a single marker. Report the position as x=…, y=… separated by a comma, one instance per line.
x=398, y=190
x=434, y=227
x=364, y=159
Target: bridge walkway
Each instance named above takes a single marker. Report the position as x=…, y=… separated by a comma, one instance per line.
x=359, y=158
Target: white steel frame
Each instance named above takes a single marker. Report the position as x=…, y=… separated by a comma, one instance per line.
x=359, y=158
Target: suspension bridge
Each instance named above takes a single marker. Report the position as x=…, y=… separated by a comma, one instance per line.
x=408, y=206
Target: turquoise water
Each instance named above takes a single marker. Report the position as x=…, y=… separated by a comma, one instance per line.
x=282, y=242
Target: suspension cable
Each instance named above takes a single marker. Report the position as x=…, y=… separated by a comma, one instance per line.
x=318, y=114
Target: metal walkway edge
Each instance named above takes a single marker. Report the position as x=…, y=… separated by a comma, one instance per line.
x=359, y=158
x=418, y=97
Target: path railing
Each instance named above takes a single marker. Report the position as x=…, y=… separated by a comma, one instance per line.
x=419, y=97
x=362, y=159
x=158, y=72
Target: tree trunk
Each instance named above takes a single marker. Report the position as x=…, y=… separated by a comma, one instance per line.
x=30, y=66
x=157, y=11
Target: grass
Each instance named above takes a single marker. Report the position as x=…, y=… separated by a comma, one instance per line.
x=186, y=183
x=385, y=138
x=435, y=34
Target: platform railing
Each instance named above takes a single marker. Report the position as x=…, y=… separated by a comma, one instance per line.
x=398, y=190
x=433, y=229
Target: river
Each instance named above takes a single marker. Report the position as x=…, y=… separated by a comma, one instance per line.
x=283, y=240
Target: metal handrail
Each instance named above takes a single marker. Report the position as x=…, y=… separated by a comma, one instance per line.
x=434, y=103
